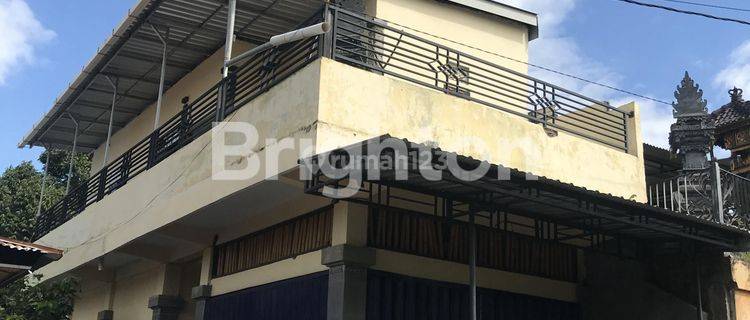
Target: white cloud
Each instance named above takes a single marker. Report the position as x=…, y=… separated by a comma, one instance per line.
x=21, y=32
x=556, y=51
x=737, y=72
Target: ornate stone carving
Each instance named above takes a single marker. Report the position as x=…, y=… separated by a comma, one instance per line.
x=692, y=135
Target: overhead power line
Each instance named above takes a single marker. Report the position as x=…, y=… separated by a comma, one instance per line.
x=708, y=5
x=701, y=14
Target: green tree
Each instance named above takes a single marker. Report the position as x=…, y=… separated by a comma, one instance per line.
x=19, y=198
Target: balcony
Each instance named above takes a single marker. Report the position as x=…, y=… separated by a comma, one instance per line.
x=377, y=48
x=712, y=194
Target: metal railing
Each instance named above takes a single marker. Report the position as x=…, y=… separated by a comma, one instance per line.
x=243, y=84
x=376, y=46
x=712, y=194
x=371, y=45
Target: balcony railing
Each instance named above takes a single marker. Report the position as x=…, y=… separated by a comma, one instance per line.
x=712, y=194
x=376, y=46
x=367, y=44
x=243, y=84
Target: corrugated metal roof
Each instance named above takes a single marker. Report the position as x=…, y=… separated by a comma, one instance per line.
x=29, y=247
x=132, y=55
x=561, y=202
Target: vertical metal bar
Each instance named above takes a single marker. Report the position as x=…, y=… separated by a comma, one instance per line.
x=671, y=196
x=664, y=190
x=111, y=118
x=231, y=12
x=72, y=153
x=687, y=207
x=699, y=305
x=472, y=265
x=44, y=183
x=162, y=75
x=718, y=197
x=650, y=196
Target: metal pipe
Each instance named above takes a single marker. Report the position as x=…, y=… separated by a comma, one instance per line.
x=111, y=118
x=281, y=39
x=44, y=184
x=699, y=305
x=472, y=266
x=72, y=152
x=232, y=11
x=161, y=77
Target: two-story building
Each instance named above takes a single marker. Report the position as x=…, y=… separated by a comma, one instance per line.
x=212, y=196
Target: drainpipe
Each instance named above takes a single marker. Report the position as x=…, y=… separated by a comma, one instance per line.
x=44, y=184
x=111, y=118
x=230, y=37
x=72, y=153
x=161, y=77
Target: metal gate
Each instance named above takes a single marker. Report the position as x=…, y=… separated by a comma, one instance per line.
x=302, y=298
x=395, y=297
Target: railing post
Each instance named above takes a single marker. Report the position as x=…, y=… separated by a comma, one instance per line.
x=153, y=146
x=185, y=120
x=220, y=100
x=326, y=41
x=125, y=168
x=230, y=90
x=102, y=184
x=717, y=196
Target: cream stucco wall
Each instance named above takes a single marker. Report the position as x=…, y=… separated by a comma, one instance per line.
x=192, y=85
x=182, y=183
x=373, y=105
x=461, y=26
x=93, y=297
x=741, y=274
x=310, y=105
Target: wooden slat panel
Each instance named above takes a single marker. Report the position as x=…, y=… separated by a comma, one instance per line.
x=288, y=239
x=439, y=238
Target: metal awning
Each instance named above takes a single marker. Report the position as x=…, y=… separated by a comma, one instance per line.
x=581, y=212
x=17, y=258
x=194, y=29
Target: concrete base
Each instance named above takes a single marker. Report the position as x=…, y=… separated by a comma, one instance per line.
x=165, y=307
x=347, y=281
x=200, y=294
x=105, y=315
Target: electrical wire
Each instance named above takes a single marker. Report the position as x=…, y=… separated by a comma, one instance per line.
x=694, y=13
x=540, y=67
x=708, y=5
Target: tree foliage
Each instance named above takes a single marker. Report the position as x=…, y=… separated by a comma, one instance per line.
x=19, y=199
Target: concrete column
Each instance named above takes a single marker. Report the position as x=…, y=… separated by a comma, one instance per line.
x=167, y=305
x=105, y=315
x=347, y=281
x=200, y=294
x=348, y=260
x=349, y=224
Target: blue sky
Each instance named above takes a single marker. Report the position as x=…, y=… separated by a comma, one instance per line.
x=44, y=44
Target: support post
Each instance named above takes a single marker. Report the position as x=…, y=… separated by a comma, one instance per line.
x=111, y=118
x=232, y=10
x=161, y=77
x=44, y=183
x=72, y=153
x=347, y=280
x=699, y=304
x=472, y=265
x=717, y=194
